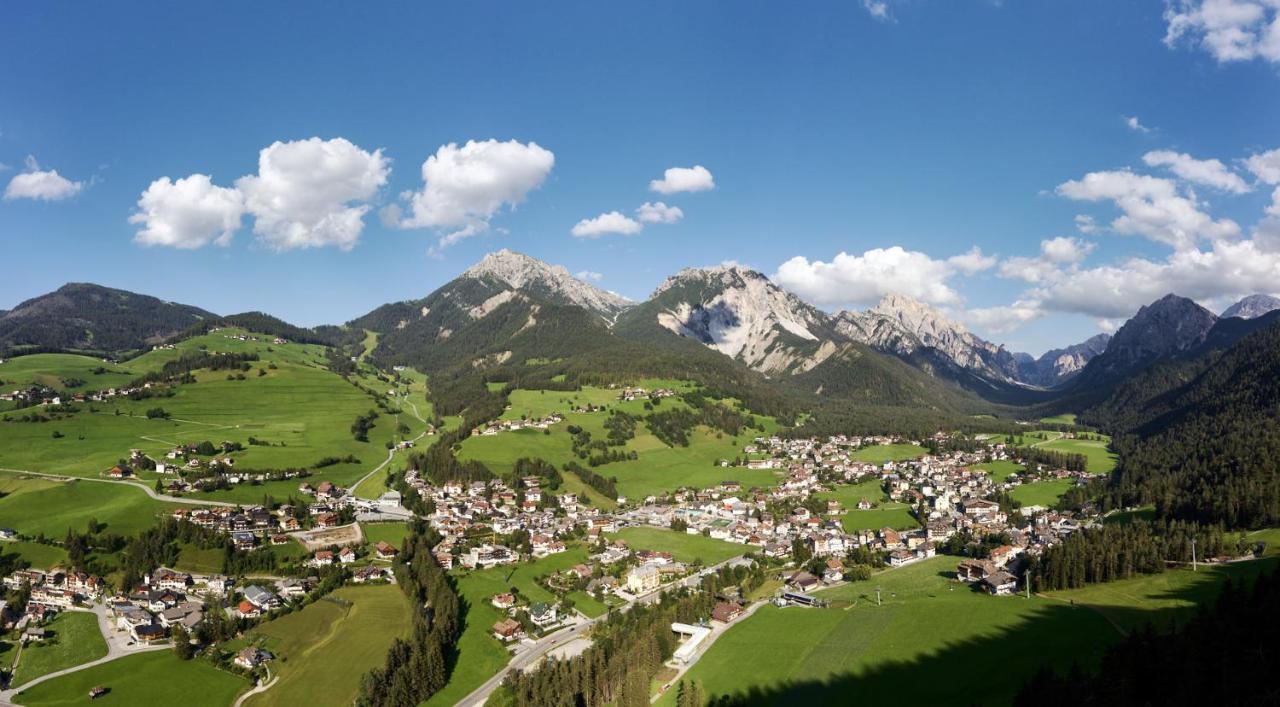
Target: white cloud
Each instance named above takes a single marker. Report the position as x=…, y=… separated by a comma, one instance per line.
x=1065, y=249
x=589, y=275
x=1085, y=224
x=465, y=186
x=1210, y=173
x=1151, y=207
x=658, y=212
x=972, y=261
x=606, y=223
x=41, y=185
x=1273, y=209
x=864, y=279
x=1265, y=166
x=1230, y=30
x=188, y=213
x=682, y=179
x=1135, y=125
x=312, y=193
x=1054, y=252
x=878, y=9
x=1003, y=319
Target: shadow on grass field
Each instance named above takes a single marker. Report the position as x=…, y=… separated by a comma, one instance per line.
x=931, y=641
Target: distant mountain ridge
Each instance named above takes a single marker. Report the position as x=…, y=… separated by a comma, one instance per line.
x=84, y=316
x=1252, y=307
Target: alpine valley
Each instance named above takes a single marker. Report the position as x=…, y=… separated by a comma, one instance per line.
x=666, y=495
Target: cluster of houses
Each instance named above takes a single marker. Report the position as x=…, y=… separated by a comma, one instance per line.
x=497, y=426
x=630, y=393
x=51, y=591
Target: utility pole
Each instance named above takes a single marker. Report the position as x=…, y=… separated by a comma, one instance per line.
x=877, y=596
x=1028, y=575
x=1193, y=555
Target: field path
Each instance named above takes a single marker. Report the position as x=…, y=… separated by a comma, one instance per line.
x=391, y=453
x=142, y=487
x=260, y=688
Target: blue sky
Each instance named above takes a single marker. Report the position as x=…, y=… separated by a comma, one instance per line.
x=901, y=134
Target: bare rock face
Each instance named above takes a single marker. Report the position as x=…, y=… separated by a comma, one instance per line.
x=903, y=326
x=1252, y=307
x=529, y=275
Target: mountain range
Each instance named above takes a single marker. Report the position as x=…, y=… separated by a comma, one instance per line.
x=509, y=312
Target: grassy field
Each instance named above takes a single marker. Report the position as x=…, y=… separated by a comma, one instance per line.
x=38, y=554
x=1098, y=460
x=1041, y=493
x=76, y=639
x=391, y=533
x=56, y=370
x=881, y=453
x=1162, y=599
x=33, y=506
x=884, y=514
x=324, y=650
x=480, y=655
x=927, y=626
x=144, y=679
x=683, y=546
x=1066, y=418
x=287, y=399
x=999, y=470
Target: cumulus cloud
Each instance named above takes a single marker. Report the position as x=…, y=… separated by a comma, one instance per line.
x=1230, y=30
x=1054, y=253
x=658, y=212
x=306, y=194
x=1006, y=318
x=1150, y=206
x=606, y=223
x=864, y=279
x=589, y=275
x=1265, y=166
x=1210, y=173
x=312, y=193
x=41, y=185
x=683, y=179
x=1135, y=125
x=188, y=213
x=465, y=186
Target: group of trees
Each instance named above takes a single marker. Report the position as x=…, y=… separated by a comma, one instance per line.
x=1121, y=550
x=607, y=486
x=1199, y=437
x=1048, y=457
x=1223, y=656
x=417, y=667
x=363, y=423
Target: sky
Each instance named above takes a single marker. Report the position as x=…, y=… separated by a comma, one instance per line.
x=1036, y=170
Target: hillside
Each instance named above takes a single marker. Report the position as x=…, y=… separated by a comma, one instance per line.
x=84, y=316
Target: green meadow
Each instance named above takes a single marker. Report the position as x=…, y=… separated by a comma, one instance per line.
x=1066, y=418
x=926, y=625
x=35, y=506
x=885, y=513
x=1041, y=493
x=56, y=370
x=682, y=546
x=1098, y=459
x=143, y=679
x=658, y=469
x=324, y=650
x=999, y=470
x=1164, y=599
x=37, y=554
x=881, y=453
x=296, y=409
x=75, y=639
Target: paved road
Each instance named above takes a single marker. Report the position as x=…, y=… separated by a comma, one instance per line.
x=142, y=487
x=540, y=648
x=118, y=646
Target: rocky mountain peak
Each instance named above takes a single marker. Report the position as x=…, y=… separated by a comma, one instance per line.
x=1252, y=307
x=1168, y=325
x=527, y=274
